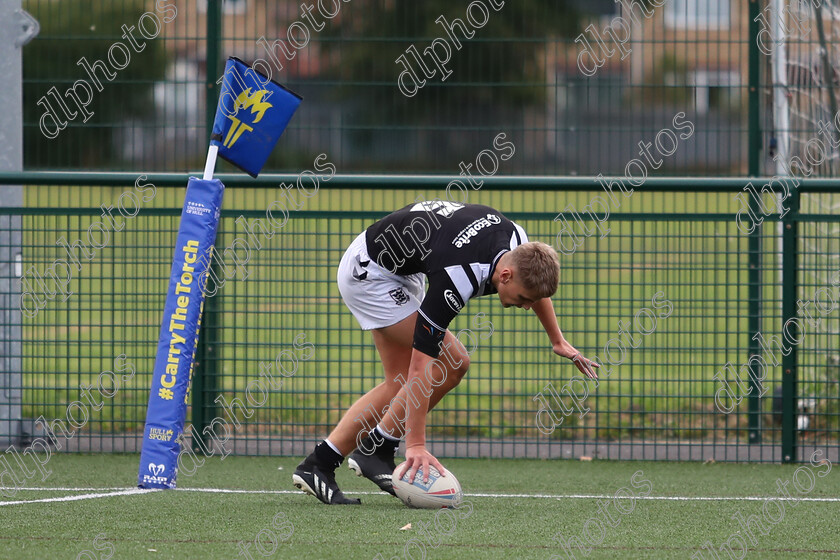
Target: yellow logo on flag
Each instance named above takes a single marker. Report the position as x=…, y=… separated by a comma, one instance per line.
x=245, y=100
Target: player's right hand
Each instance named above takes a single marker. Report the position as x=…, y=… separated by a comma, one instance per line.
x=417, y=457
x=585, y=365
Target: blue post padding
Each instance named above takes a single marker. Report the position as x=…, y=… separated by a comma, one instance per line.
x=179, y=334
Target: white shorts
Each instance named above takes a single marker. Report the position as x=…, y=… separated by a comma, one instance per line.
x=376, y=297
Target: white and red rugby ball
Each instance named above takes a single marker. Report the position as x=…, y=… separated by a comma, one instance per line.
x=438, y=492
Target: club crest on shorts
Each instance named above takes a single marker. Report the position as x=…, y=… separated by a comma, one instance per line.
x=399, y=296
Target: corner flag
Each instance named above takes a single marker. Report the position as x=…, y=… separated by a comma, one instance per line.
x=248, y=123
x=253, y=112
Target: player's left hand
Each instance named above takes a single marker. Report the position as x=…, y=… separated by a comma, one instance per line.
x=584, y=364
x=415, y=458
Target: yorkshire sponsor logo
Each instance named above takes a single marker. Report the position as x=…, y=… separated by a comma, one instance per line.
x=452, y=301
x=466, y=234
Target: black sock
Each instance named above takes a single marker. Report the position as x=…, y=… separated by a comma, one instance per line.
x=387, y=444
x=376, y=440
x=327, y=456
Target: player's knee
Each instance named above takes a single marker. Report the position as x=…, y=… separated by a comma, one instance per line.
x=458, y=372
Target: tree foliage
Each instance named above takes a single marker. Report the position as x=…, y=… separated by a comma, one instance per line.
x=70, y=30
x=502, y=65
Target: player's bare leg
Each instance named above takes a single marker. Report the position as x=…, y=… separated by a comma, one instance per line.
x=374, y=456
x=394, y=344
x=393, y=423
x=395, y=354
x=362, y=416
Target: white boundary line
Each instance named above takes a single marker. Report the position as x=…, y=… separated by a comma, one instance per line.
x=129, y=491
x=123, y=492
x=662, y=498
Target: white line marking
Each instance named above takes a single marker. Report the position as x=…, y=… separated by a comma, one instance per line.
x=664, y=498
x=123, y=492
x=61, y=489
x=119, y=491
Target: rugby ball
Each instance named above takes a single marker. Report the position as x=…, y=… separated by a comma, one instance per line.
x=438, y=492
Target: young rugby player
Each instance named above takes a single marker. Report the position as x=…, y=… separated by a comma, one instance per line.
x=464, y=251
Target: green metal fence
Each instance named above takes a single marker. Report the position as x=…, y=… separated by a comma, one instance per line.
x=678, y=238
x=533, y=76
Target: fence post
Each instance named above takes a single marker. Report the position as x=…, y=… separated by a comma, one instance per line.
x=16, y=29
x=205, y=375
x=754, y=241
x=790, y=235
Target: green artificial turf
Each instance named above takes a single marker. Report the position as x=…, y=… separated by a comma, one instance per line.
x=208, y=525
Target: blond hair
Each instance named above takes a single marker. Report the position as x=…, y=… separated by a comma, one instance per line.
x=538, y=267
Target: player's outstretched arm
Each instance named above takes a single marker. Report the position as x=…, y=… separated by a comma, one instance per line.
x=544, y=310
x=416, y=454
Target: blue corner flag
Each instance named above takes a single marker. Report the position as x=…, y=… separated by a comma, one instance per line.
x=253, y=112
